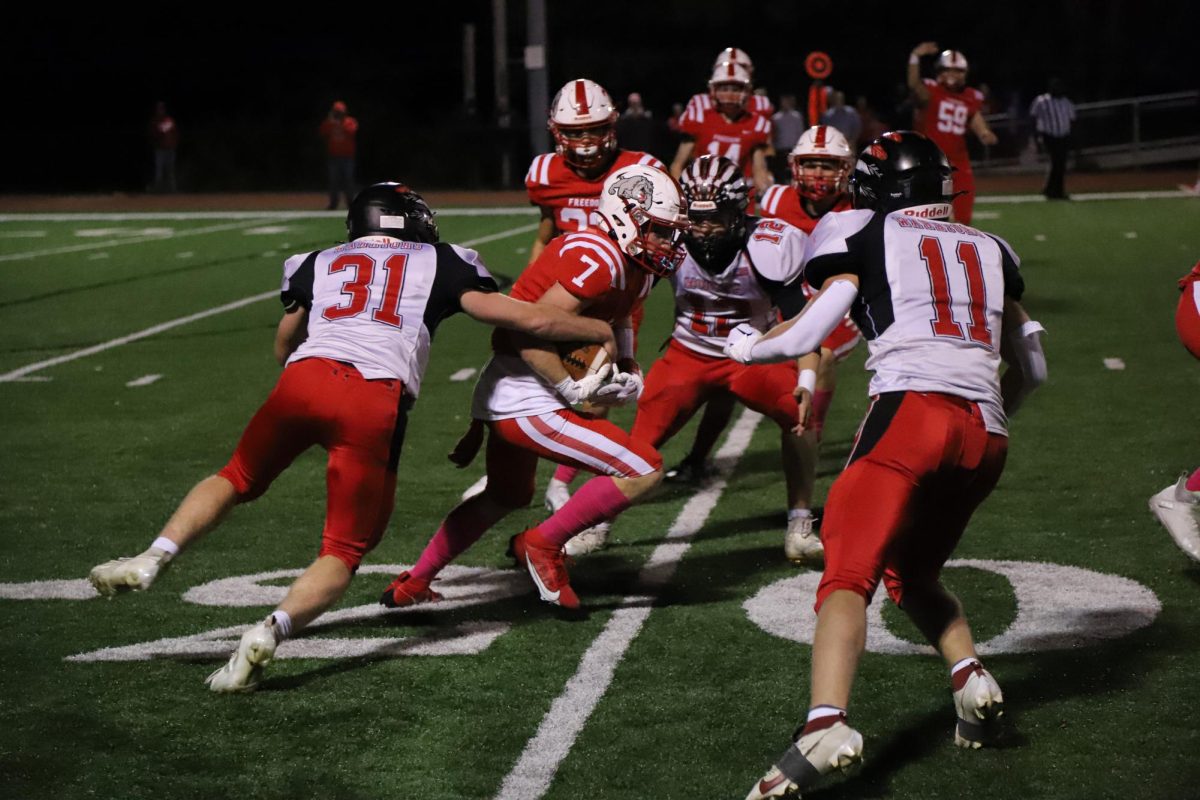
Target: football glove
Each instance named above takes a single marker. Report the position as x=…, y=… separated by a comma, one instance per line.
x=624, y=388
x=578, y=391
x=741, y=341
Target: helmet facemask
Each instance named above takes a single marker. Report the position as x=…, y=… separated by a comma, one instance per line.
x=730, y=97
x=658, y=246
x=586, y=146
x=818, y=178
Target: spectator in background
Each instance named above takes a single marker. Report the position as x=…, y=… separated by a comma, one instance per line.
x=786, y=126
x=339, y=130
x=164, y=138
x=843, y=117
x=1053, y=114
x=872, y=126
x=635, y=126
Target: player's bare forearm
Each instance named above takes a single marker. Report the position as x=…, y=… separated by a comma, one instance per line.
x=762, y=175
x=540, y=320
x=541, y=357
x=1021, y=350
x=291, y=333
x=980, y=128
x=681, y=158
x=545, y=232
x=915, y=85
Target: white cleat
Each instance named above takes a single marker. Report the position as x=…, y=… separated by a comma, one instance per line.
x=801, y=543
x=134, y=574
x=557, y=495
x=1179, y=512
x=978, y=703
x=244, y=669
x=588, y=541
x=836, y=747
x=475, y=488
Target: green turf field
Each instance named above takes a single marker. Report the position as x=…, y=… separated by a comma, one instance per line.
x=1098, y=667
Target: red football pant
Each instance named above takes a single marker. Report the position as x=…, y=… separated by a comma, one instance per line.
x=360, y=423
x=683, y=380
x=922, y=464
x=1187, y=315
x=964, y=181
x=565, y=437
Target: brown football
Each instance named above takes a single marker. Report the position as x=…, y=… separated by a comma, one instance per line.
x=582, y=360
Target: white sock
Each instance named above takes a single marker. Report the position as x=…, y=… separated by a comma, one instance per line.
x=166, y=546
x=816, y=712
x=283, y=624
x=962, y=662
x=799, y=512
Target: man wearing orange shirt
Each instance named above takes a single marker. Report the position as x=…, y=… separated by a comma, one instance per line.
x=338, y=130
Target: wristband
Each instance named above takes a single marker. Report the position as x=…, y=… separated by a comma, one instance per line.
x=807, y=380
x=1032, y=326
x=914, y=59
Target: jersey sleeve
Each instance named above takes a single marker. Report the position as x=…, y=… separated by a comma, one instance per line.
x=585, y=269
x=691, y=124
x=829, y=251
x=1014, y=283
x=460, y=269
x=537, y=179
x=777, y=249
x=296, y=291
x=650, y=161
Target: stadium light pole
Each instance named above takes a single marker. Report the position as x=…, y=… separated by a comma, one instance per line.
x=500, y=83
x=535, y=74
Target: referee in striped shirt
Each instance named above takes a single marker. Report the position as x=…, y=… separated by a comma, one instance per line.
x=1053, y=114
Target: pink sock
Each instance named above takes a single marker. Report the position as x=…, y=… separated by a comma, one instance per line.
x=461, y=528
x=565, y=474
x=596, y=501
x=822, y=398
x=1193, y=483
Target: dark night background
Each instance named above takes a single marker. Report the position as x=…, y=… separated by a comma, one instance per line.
x=249, y=92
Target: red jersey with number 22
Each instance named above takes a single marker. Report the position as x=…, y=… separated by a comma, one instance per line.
x=945, y=119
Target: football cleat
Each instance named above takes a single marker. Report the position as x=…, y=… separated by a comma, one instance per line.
x=801, y=543
x=978, y=703
x=548, y=568
x=408, y=591
x=557, y=495
x=690, y=473
x=244, y=669
x=134, y=574
x=1179, y=512
x=834, y=746
x=588, y=541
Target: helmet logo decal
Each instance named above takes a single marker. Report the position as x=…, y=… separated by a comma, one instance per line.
x=633, y=187
x=581, y=98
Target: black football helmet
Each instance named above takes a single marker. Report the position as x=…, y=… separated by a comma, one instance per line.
x=391, y=209
x=717, y=195
x=898, y=170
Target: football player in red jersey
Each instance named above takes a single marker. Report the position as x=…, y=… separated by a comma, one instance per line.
x=565, y=184
x=949, y=108
x=358, y=320
x=727, y=129
x=938, y=303
x=524, y=395
x=759, y=104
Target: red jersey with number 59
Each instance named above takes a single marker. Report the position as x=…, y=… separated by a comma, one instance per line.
x=945, y=119
x=930, y=300
x=376, y=302
x=716, y=135
x=553, y=186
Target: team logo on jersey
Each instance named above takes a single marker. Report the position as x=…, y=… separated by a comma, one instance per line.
x=637, y=188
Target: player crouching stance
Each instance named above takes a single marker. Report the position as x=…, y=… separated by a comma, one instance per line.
x=355, y=338
x=524, y=394
x=930, y=298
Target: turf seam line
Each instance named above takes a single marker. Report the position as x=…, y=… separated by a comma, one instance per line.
x=531, y=776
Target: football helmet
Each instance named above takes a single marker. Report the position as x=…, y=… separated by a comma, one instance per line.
x=643, y=210
x=821, y=162
x=898, y=170
x=736, y=56
x=583, y=121
x=951, y=69
x=717, y=196
x=730, y=88
x=391, y=209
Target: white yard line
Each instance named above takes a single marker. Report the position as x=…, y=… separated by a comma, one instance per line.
x=157, y=237
x=534, y=771
x=18, y=374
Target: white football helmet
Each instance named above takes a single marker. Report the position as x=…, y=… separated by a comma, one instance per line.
x=821, y=162
x=730, y=87
x=736, y=56
x=951, y=69
x=583, y=121
x=643, y=209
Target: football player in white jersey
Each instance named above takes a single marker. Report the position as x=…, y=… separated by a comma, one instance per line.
x=739, y=269
x=937, y=303
x=354, y=338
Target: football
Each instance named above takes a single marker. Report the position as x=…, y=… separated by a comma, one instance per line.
x=582, y=359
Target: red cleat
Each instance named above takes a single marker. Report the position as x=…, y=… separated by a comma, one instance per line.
x=548, y=568
x=408, y=591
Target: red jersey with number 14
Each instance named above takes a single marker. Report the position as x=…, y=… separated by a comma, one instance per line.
x=552, y=185
x=718, y=136
x=945, y=119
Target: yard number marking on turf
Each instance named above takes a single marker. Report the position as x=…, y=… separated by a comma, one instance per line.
x=534, y=771
x=18, y=374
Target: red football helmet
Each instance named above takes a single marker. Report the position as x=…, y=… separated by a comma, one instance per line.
x=821, y=162
x=583, y=121
x=730, y=88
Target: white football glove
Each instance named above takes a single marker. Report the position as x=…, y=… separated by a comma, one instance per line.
x=741, y=341
x=624, y=387
x=579, y=391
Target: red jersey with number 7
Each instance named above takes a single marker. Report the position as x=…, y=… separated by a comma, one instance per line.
x=945, y=119
x=930, y=299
